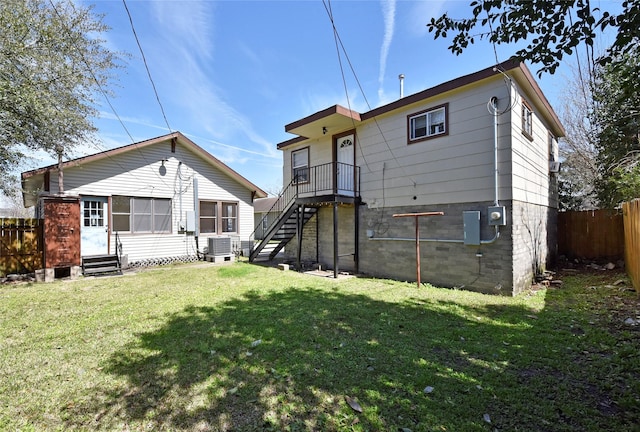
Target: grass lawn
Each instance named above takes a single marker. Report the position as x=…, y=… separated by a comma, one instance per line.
x=246, y=348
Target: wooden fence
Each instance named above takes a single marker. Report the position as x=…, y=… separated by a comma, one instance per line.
x=21, y=245
x=597, y=234
x=631, y=212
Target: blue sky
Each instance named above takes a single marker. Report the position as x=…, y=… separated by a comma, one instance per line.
x=231, y=74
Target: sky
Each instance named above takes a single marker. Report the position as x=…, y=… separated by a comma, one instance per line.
x=231, y=74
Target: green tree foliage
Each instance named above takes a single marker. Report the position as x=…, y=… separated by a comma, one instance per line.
x=616, y=94
x=53, y=65
x=551, y=29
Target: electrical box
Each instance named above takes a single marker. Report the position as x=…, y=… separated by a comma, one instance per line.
x=471, y=221
x=191, y=221
x=497, y=215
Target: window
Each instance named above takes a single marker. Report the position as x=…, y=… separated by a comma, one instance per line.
x=208, y=216
x=300, y=165
x=527, y=120
x=141, y=215
x=428, y=124
x=229, y=217
x=212, y=224
x=93, y=213
x=121, y=213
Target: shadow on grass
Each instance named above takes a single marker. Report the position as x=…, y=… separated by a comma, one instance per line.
x=286, y=361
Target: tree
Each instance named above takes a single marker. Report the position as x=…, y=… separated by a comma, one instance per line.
x=578, y=149
x=53, y=65
x=551, y=29
x=616, y=115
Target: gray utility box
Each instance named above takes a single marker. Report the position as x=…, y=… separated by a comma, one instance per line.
x=471, y=221
x=497, y=215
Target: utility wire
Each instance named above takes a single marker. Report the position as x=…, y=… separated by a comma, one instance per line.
x=144, y=60
x=104, y=94
x=339, y=41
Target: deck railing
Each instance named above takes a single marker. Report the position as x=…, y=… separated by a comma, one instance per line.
x=334, y=178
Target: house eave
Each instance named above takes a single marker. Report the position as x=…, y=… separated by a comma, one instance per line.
x=330, y=121
x=32, y=179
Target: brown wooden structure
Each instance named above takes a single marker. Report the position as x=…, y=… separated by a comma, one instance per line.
x=61, y=232
x=21, y=245
x=417, y=223
x=631, y=212
x=593, y=234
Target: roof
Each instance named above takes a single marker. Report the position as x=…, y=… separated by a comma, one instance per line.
x=29, y=176
x=339, y=118
x=263, y=205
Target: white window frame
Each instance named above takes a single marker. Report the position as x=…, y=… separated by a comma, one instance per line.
x=426, y=124
x=527, y=120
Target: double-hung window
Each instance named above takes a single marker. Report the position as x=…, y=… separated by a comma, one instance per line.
x=527, y=120
x=428, y=124
x=300, y=165
x=141, y=215
x=218, y=217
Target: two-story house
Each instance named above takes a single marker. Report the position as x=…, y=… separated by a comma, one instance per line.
x=481, y=149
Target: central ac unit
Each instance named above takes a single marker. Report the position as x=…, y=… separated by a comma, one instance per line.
x=219, y=245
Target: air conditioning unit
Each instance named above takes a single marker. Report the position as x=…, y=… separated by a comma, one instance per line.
x=554, y=166
x=219, y=245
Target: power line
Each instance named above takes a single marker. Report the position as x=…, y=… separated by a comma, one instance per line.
x=339, y=41
x=144, y=60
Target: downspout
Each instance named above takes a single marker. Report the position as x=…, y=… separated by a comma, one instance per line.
x=494, y=105
x=196, y=217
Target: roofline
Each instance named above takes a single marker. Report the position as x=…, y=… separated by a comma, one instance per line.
x=291, y=142
x=509, y=65
x=335, y=109
x=119, y=150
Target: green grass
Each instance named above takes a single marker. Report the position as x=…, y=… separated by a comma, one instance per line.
x=241, y=347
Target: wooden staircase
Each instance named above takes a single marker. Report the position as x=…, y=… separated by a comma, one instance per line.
x=101, y=265
x=281, y=233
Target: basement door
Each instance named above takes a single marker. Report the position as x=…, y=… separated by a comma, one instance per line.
x=344, y=168
x=94, y=230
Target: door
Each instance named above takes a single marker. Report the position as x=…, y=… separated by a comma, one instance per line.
x=345, y=156
x=93, y=226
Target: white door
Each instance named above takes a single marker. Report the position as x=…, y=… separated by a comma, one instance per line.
x=94, y=229
x=345, y=166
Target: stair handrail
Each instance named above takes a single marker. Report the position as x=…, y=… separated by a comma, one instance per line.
x=285, y=199
x=118, y=250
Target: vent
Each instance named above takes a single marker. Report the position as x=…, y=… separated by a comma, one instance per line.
x=219, y=245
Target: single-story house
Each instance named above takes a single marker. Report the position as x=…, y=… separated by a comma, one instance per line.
x=482, y=149
x=161, y=198
x=263, y=215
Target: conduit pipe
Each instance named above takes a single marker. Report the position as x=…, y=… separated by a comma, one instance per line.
x=437, y=240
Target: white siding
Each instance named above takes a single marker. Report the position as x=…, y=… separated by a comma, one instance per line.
x=139, y=173
x=530, y=159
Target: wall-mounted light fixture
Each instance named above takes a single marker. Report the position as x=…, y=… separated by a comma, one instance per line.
x=324, y=130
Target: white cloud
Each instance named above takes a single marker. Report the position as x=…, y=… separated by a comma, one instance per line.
x=182, y=63
x=389, y=17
